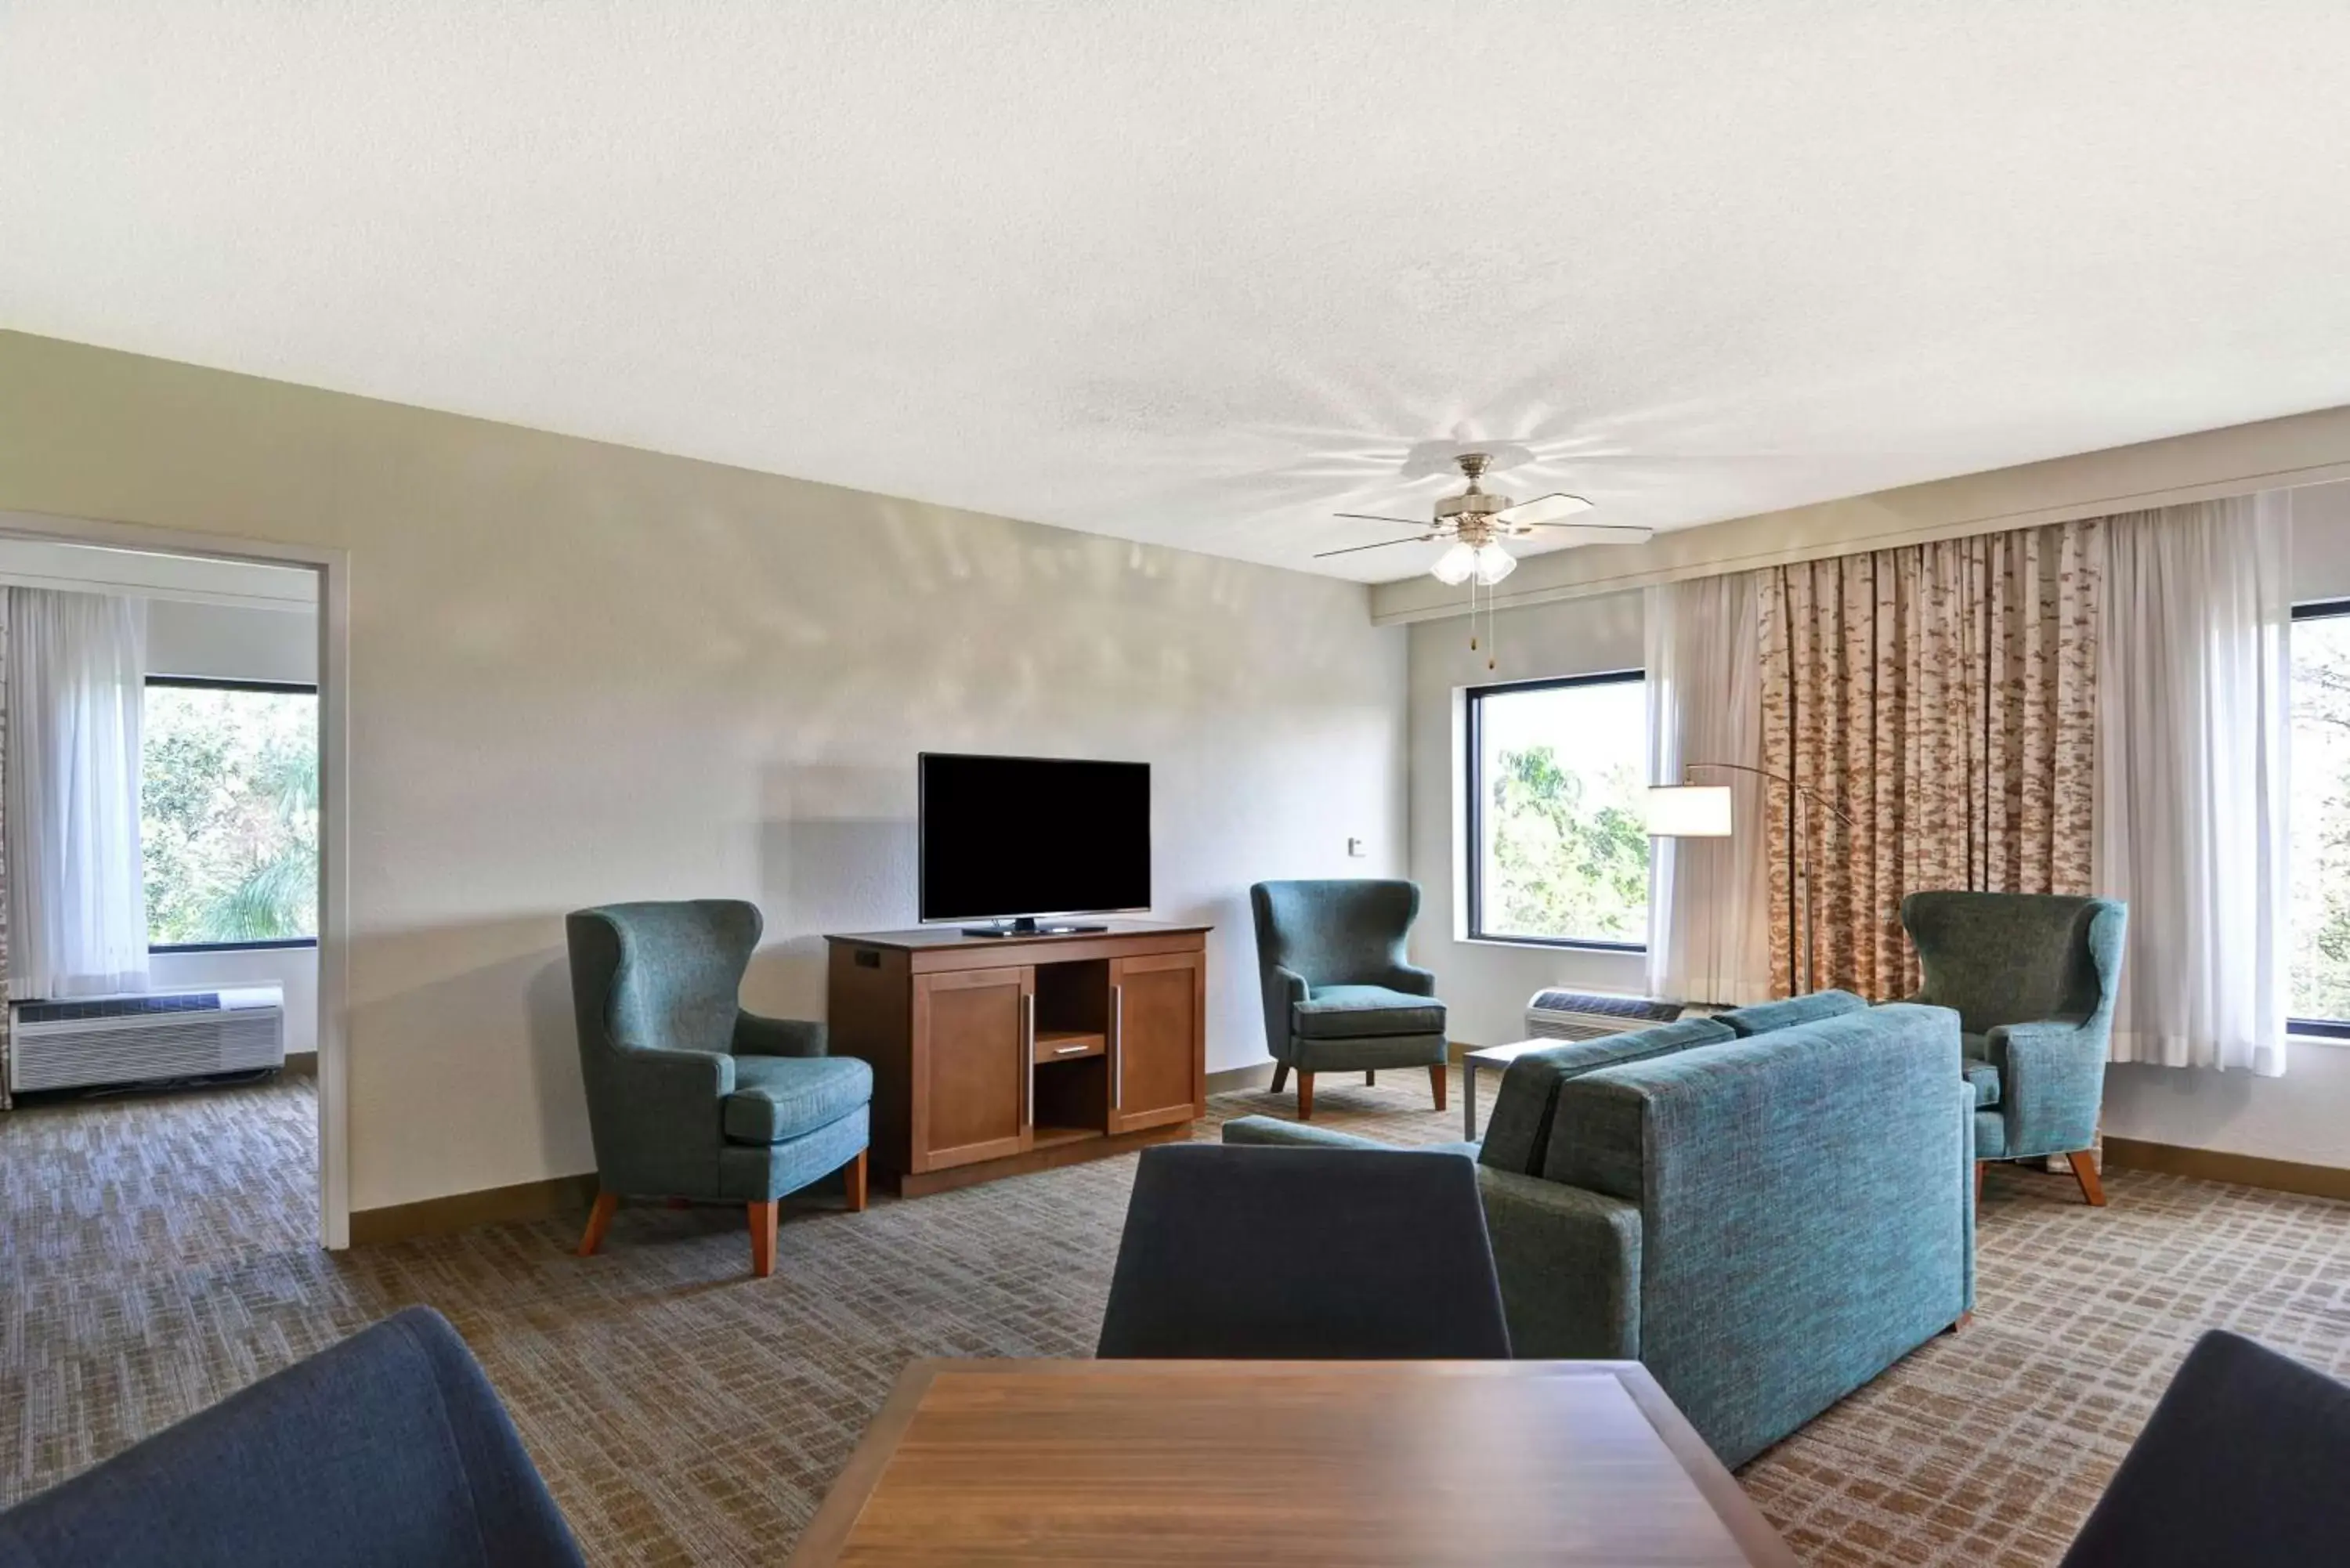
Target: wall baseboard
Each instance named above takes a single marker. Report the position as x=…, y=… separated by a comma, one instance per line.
x=1235, y=1078
x=545, y=1200
x=2218, y=1164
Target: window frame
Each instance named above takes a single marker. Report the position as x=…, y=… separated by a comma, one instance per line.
x=217, y=683
x=1472, y=890
x=2337, y=1029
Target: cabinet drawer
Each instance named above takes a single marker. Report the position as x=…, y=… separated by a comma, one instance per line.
x=1068, y=1045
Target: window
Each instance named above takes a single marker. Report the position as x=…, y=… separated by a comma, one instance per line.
x=2320, y=853
x=228, y=817
x=1558, y=845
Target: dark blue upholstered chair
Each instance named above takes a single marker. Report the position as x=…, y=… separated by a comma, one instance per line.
x=1278, y=1254
x=1339, y=995
x=388, y=1450
x=2033, y=978
x=688, y=1095
x=2242, y=1463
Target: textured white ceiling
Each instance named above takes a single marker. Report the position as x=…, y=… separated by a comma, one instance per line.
x=1199, y=272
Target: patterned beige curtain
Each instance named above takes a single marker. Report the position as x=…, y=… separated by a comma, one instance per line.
x=1943, y=698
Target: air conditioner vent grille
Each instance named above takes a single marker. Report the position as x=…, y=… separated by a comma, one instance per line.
x=119, y=1007
x=146, y=1038
x=1581, y=1015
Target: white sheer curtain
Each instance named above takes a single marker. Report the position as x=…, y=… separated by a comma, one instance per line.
x=1709, y=898
x=77, y=889
x=2194, y=716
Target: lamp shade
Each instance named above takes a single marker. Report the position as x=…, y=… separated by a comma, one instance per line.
x=1689, y=811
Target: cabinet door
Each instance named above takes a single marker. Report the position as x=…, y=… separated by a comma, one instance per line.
x=1158, y=1045
x=973, y=1031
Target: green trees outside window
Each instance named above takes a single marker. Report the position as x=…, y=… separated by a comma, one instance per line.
x=1559, y=773
x=2320, y=816
x=229, y=813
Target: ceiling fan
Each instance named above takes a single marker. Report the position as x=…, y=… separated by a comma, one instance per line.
x=1477, y=519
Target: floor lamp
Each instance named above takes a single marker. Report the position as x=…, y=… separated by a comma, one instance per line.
x=1690, y=810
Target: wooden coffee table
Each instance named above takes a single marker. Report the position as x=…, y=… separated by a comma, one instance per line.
x=1189, y=1462
x=1497, y=1057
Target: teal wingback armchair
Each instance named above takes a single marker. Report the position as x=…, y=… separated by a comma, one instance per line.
x=1339, y=995
x=2033, y=978
x=691, y=1097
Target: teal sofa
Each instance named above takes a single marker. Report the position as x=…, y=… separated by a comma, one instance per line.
x=691, y=1097
x=2033, y=977
x=1339, y=994
x=1766, y=1208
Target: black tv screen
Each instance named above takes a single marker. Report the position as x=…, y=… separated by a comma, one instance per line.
x=1007, y=836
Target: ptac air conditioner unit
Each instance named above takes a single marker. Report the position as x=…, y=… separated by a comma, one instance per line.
x=1579, y=1015
x=94, y=1040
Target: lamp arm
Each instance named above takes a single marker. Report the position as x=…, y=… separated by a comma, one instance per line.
x=1818, y=800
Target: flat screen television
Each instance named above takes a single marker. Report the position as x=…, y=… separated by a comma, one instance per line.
x=1009, y=839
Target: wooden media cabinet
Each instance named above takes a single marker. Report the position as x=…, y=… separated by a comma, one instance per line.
x=997, y=1056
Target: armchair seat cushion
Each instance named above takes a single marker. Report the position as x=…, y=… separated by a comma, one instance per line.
x=777, y=1098
x=1983, y=1078
x=1363, y=1012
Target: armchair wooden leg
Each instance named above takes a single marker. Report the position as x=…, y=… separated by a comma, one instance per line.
x=1435, y=1082
x=1978, y=1171
x=762, y=1237
x=599, y=1219
x=855, y=1171
x=2085, y=1171
x=1370, y=1078
x=1304, y=1096
x=1280, y=1076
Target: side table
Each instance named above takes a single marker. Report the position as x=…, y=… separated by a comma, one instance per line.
x=1496, y=1057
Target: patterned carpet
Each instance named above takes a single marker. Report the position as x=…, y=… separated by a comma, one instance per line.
x=158, y=1255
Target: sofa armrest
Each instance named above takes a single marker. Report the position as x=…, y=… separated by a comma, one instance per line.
x=1273, y=1131
x=757, y=1036
x=2052, y=1080
x=1569, y=1260
x=1412, y=979
x=675, y=1078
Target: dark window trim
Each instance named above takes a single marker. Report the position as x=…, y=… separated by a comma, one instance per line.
x=2319, y=1028
x=1476, y=848
x=210, y=683
x=213, y=683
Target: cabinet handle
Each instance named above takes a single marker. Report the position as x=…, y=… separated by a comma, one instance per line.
x=1028, y=1058
x=1117, y=1047
x=1068, y=1049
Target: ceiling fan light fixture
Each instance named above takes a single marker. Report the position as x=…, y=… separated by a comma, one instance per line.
x=1493, y=564
x=1456, y=566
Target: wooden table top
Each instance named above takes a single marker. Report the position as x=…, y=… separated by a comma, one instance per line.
x=1198, y=1462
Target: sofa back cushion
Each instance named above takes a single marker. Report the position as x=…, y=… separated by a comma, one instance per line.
x=1804, y=1204
x=1788, y=1011
x=1517, y=1135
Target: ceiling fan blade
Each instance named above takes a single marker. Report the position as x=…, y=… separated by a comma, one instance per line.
x=1374, y=517
x=1542, y=509
x=1351, y=549
x=1586, y=533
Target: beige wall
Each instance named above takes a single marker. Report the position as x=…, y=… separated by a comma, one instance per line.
x=1487, y=984
x=582, y=672
x=2303, y=1116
